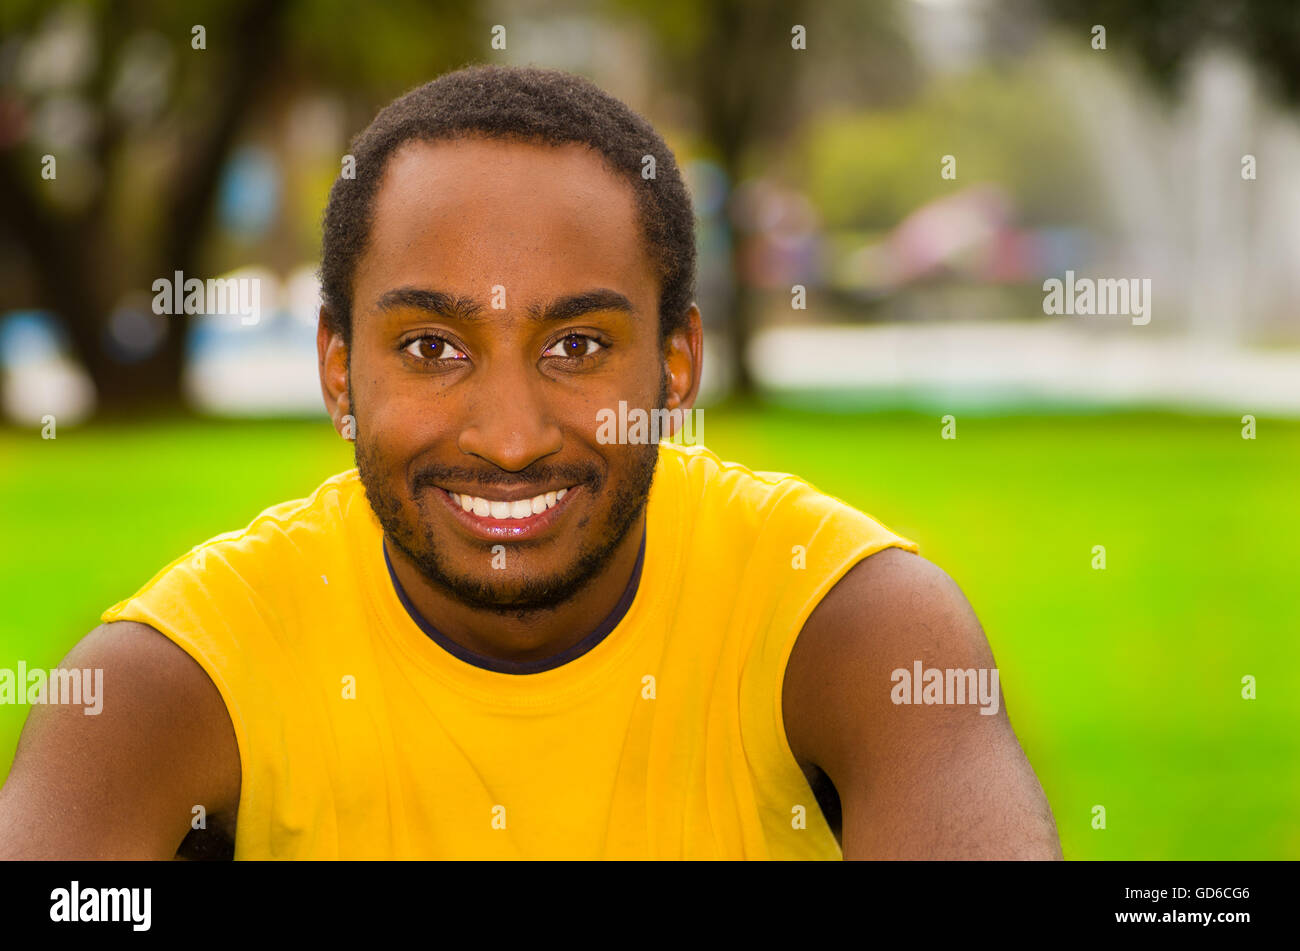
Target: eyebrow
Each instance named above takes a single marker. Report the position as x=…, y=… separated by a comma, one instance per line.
x=471, y=310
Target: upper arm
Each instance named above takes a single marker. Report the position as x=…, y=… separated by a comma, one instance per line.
x=940, y=780
x=122, y=783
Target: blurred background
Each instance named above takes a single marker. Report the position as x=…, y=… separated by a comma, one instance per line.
x=877, y=214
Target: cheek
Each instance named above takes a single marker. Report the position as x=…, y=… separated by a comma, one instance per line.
x=580, y=410
x=395, y=441
x=580, y=420
x=397, y=420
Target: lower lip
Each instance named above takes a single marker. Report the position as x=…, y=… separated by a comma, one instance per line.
x=495, y=529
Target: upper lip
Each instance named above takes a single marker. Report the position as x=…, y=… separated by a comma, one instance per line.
x=505, y=495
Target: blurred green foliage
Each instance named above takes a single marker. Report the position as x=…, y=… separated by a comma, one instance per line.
x=1001, y=122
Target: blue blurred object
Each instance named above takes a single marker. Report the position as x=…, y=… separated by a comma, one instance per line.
x=250, y=192
x=31, y=336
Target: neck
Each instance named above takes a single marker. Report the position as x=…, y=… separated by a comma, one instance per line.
x=521, y=644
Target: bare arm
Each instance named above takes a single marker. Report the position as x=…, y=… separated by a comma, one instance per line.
x=916, y=781
x=122, y=784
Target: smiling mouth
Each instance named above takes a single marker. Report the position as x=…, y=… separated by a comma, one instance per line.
x=537, y=514
x=518, y=509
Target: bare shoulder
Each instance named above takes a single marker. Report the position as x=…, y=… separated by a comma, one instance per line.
x=893, y=692
x=889, y=610
x=120, y=778
x=899, y=596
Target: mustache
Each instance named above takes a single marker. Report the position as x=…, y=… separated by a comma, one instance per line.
x=433, y=476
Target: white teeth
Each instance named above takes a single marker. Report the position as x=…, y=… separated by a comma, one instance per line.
x=520, y=508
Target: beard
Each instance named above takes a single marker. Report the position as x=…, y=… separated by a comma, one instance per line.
x=533, y=594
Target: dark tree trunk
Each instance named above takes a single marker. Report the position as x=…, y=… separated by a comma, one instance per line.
x=744, y=80
x=77, y=273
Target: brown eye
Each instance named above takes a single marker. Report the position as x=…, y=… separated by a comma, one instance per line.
x=575, y=346
x=432, y=348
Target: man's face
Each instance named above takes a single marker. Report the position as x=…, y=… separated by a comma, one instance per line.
x=505, y=298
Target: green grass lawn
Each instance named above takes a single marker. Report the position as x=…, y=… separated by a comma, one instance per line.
x=1123, y=684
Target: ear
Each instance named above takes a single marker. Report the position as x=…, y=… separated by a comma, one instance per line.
x=332, y=362
x=684, y=362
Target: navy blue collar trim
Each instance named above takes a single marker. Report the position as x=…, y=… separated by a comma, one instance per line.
x=528, y=666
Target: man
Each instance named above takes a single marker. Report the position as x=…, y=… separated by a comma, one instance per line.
x=510, y=632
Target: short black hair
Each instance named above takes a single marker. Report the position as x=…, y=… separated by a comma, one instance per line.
x=516, y=103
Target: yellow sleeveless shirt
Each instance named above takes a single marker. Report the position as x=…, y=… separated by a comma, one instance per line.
x=362, y=737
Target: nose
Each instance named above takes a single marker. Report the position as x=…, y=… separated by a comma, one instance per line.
x=511, y=424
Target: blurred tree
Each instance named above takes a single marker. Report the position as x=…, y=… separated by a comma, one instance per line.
x=141, y=124
x=73, y=251
x=1006, y=125
x=1165, y=34
x=134, y=197
x=735, y=60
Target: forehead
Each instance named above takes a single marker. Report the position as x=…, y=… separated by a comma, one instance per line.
x=468, y=214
